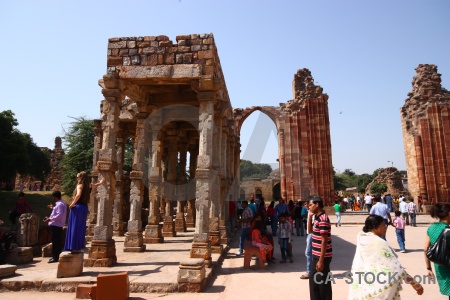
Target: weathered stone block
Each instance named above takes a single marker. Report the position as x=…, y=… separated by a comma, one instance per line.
x=28, y=230
x=70, y=265
x=117, y=45
x=7, y=270
x=191, y=275
x=47, y=250
x=84, y=291
x=19, y=255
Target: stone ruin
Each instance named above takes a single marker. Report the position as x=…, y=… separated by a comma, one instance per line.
x=426, y=136
x=54, y=178
x=393, y=179
x=171, y=99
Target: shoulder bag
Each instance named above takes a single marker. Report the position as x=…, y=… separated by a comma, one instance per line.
x=439, y=252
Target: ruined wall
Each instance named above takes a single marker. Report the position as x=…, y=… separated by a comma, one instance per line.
x=393, y=179
x=265, y=185
x=426, y=135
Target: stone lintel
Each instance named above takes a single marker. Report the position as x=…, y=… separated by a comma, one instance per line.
x=181, y=71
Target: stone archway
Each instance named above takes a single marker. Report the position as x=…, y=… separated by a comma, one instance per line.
x=304, y=144
x=276, y=191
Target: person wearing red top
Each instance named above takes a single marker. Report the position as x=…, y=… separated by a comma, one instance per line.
x=322, y=252
x=260, y=240
x=22, y=207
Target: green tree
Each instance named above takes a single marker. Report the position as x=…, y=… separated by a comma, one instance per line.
x=378, y=188
x=18, y=152
x=79, y=142
x=338, y=181
x=251, y=170
x=39, y=160
x=362, y=182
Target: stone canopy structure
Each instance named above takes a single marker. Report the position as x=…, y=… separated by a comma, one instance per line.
x=426, y=136
x=172, y=101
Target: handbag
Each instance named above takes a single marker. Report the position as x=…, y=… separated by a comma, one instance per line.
x=439, y=252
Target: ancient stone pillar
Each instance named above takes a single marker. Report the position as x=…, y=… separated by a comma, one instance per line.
x=153, y=231
x=118, y=224
x=214, y=233
x=201, y=246
x=103, y=250
x=420, y=167
x=224, y=184
x=134, y=241
x=27, y=235
x=93, y=199
x=180, y=223
x=190, y=214
x=170, y=186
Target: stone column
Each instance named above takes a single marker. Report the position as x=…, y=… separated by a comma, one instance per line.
x=170, y=186
x=214, y=233
x=103, y=250
x=190, y=214
x=134, y=241
x=93, y=199
x=224, y=184
x=153, y=231
x=180, y=223
x=201, y=246
x=118, y=224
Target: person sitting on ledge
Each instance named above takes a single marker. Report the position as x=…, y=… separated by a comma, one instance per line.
x=22, y=207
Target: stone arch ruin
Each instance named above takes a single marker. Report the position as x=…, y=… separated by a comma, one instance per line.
x=171, y=99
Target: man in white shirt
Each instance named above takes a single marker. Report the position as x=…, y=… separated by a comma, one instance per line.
x=368, y=201
x=403, y=207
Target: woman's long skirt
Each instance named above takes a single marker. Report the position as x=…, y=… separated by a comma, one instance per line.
x=76, y=228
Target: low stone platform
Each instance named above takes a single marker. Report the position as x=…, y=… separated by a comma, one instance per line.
x=153, y=271
x=7, y=270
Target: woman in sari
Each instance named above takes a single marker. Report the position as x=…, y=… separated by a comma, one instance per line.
x=439, y=211
x=260, y=240
x=382, y=273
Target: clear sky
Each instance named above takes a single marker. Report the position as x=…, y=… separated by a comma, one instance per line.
x=363, y=54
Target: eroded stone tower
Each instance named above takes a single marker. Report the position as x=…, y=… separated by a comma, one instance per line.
x=426, y=136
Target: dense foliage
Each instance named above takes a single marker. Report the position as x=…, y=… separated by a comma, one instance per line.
x=349, y=178
x=18, y=152
x=251, y=170
x=79, y=151
x=378, y=188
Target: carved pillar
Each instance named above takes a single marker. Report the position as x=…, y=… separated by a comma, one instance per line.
x=420, y=167
x=193, y=154
x=118, y=224
x=214, y=233
x=93, y=200
x=134, y=241
x=170, y=186
x=224, y=182
x=201, y=246
x=180, y=223
x=103, y=250
x=153, y=231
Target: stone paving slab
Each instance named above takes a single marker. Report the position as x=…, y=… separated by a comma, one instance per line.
x=231, y=281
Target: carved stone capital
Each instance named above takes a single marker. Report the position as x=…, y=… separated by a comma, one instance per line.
x=202, y=174
x=110, y=166
x=136, y=174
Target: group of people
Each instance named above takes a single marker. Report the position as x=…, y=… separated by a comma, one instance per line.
x=76, y=223
x=373, y=253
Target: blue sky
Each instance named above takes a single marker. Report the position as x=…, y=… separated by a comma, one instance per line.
x=363, y=54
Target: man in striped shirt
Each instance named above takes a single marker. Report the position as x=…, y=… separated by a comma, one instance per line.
x=322, y=252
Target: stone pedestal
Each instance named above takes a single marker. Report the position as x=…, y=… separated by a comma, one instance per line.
x=191, y=275
x=134, y=242
x=119, y=229
x=153, y=234
x=214, y=238
x=223, y=235
x=27, y=235
x=90, y=232
x=19, y=256
x=101, y=254
x=201, y=250
x=180, y=224
x=47, y=250
x=7, y=270
x=190, y=219
x=169, y=227
x=70, y=264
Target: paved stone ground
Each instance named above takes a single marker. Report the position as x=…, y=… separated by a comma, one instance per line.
x=232, y=282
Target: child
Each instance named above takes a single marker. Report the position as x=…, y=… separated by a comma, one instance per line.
x=399, y=225
x=337, y=211
x=284, y=238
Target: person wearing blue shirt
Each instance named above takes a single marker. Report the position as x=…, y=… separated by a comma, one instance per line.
x=280, y=208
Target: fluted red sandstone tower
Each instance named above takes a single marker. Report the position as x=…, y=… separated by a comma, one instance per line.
x=426, y=136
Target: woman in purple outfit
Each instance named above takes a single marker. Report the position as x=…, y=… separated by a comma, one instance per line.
x=76, y=227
